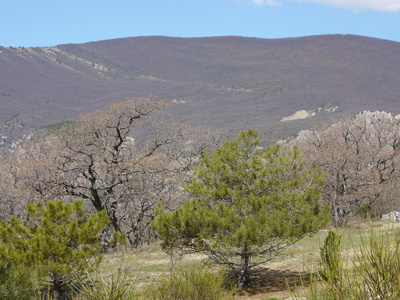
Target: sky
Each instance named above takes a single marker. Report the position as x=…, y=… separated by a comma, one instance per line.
x=44, y=23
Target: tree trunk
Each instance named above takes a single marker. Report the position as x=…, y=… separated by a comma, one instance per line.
x=243, y=274
x=58, y=282
x=171, y=256
x=335, y=208
x=112, y=212
x=113, y=215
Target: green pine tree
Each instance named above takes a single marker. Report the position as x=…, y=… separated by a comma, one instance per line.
x=58, y=237
x=248, y=205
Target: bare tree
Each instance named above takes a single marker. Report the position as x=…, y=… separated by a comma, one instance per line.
x=27, y=175
x=358, y=155
x=123, y=160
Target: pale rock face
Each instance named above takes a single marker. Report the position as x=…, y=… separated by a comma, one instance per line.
x=303, y=114
x=392, y=216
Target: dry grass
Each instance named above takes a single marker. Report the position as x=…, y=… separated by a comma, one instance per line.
x=269, y=281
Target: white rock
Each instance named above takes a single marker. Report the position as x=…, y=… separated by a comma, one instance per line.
x=392, y=216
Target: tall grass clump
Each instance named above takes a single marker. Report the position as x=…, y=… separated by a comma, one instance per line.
x=195, y=282
x=118, y=286
x=379, y=266
x=374, y=272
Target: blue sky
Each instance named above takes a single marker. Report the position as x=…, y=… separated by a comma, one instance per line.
x=52, y=22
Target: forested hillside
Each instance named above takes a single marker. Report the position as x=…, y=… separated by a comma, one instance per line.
x=230, y=83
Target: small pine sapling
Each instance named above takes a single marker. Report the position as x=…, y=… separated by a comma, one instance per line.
x=58, y=237
x=330, y=258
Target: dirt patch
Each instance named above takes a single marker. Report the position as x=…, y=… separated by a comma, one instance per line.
x=268, y=283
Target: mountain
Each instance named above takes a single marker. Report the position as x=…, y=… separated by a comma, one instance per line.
x=232, y=83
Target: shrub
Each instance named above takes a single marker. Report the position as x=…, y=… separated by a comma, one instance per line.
x=195, y=282
x=379, y=266
x=366, y=212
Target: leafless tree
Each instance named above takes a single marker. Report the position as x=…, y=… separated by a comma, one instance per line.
x=26, y=175
x=123, y=160
x=359, y=155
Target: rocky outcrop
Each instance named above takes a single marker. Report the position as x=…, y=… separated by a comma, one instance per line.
x=392, y=216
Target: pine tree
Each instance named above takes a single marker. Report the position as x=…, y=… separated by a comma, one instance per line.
x=247, y=205
x=58, y=237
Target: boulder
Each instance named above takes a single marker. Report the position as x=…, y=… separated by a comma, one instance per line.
x=392, y=216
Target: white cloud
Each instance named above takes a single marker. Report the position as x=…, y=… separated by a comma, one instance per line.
x=359, y=5
x=266, y=2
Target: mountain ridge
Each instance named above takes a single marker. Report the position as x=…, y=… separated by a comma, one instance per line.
x=229, y=82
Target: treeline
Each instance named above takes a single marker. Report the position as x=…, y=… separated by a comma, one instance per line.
x=154, y=177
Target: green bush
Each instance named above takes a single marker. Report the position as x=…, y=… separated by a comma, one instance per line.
x=366, y=212
x=195, y=282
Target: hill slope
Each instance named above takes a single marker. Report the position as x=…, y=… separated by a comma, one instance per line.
x=231, y=83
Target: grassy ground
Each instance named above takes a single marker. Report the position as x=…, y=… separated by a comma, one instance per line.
x=270, y=281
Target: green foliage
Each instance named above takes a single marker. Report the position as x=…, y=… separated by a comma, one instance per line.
x=330, y=257
x=11, y=118
x=17, y=282
x=248, y=205
x=59, y=126
x=58, y=237
x=4, y=95
x=195, y=282
x=365, y=211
